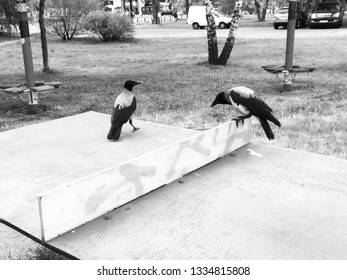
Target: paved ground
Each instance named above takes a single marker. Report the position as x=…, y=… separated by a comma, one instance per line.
x=287, y=205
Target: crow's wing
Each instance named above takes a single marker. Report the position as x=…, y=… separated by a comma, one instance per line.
x=122, y=115
x=255, y=105
x=115, y=114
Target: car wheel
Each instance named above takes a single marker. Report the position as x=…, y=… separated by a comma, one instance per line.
x=275, y=26
x=196, y=25
x=222, y=25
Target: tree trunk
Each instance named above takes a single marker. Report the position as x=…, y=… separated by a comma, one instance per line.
x=211, y=36
x=43, y=36
x=229, y=43
x=131, y=11
x=156, y=8
x=257, y=9
x=263, y=12
x=187, y=6
x=261, y=9
x=123, y=6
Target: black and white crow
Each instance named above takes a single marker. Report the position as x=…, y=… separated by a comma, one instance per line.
x=123, y=108
x=247, y=103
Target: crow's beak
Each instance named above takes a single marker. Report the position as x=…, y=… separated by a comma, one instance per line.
x=137, y=83
x=214, y=103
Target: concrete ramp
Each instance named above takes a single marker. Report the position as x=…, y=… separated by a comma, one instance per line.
x=60, y=174
x=287, y=205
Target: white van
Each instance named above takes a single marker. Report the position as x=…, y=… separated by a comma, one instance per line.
x=197, y=18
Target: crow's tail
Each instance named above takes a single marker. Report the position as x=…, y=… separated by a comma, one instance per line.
x=274, y=120
x=114, y=132
x=270, y=135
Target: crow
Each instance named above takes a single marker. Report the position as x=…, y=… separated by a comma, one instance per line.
x=123, y=108
x=247, y=103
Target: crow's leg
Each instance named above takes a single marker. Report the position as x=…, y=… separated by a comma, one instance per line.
x=237, y=120
x=131, y=123
x=241, y=119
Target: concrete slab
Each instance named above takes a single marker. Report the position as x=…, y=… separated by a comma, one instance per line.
x=287, y=205
x=41, y=157
x=72, y=205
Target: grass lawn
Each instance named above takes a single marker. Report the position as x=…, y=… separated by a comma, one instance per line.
x=178, y=85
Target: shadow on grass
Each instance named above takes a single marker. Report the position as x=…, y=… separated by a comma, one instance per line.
x=38, y=253
x=205, y=63
x=94, y=40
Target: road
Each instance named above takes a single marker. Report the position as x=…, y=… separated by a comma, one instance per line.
x=181, y=30
x=245, y=32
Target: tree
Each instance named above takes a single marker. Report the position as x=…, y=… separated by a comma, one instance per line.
x=260, y=8
x=8, y=16
x=230, y=41
x=43, y=36
x=66, y=15
x=156, y=8
x=123, y=5
x=212, y=35
x=226, y=7
x=131, y=9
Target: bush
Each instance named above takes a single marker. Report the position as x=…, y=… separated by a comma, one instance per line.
x=109, y=26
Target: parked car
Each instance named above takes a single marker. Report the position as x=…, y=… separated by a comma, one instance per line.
x=197, y=18
x=326, y=14
x=147, y=10
x=281, y=18
x=166, y=13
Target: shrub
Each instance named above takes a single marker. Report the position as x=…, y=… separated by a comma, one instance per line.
x=109, y=26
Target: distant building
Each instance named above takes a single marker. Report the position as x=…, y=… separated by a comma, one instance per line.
x=117, y=6
x=138, y=6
